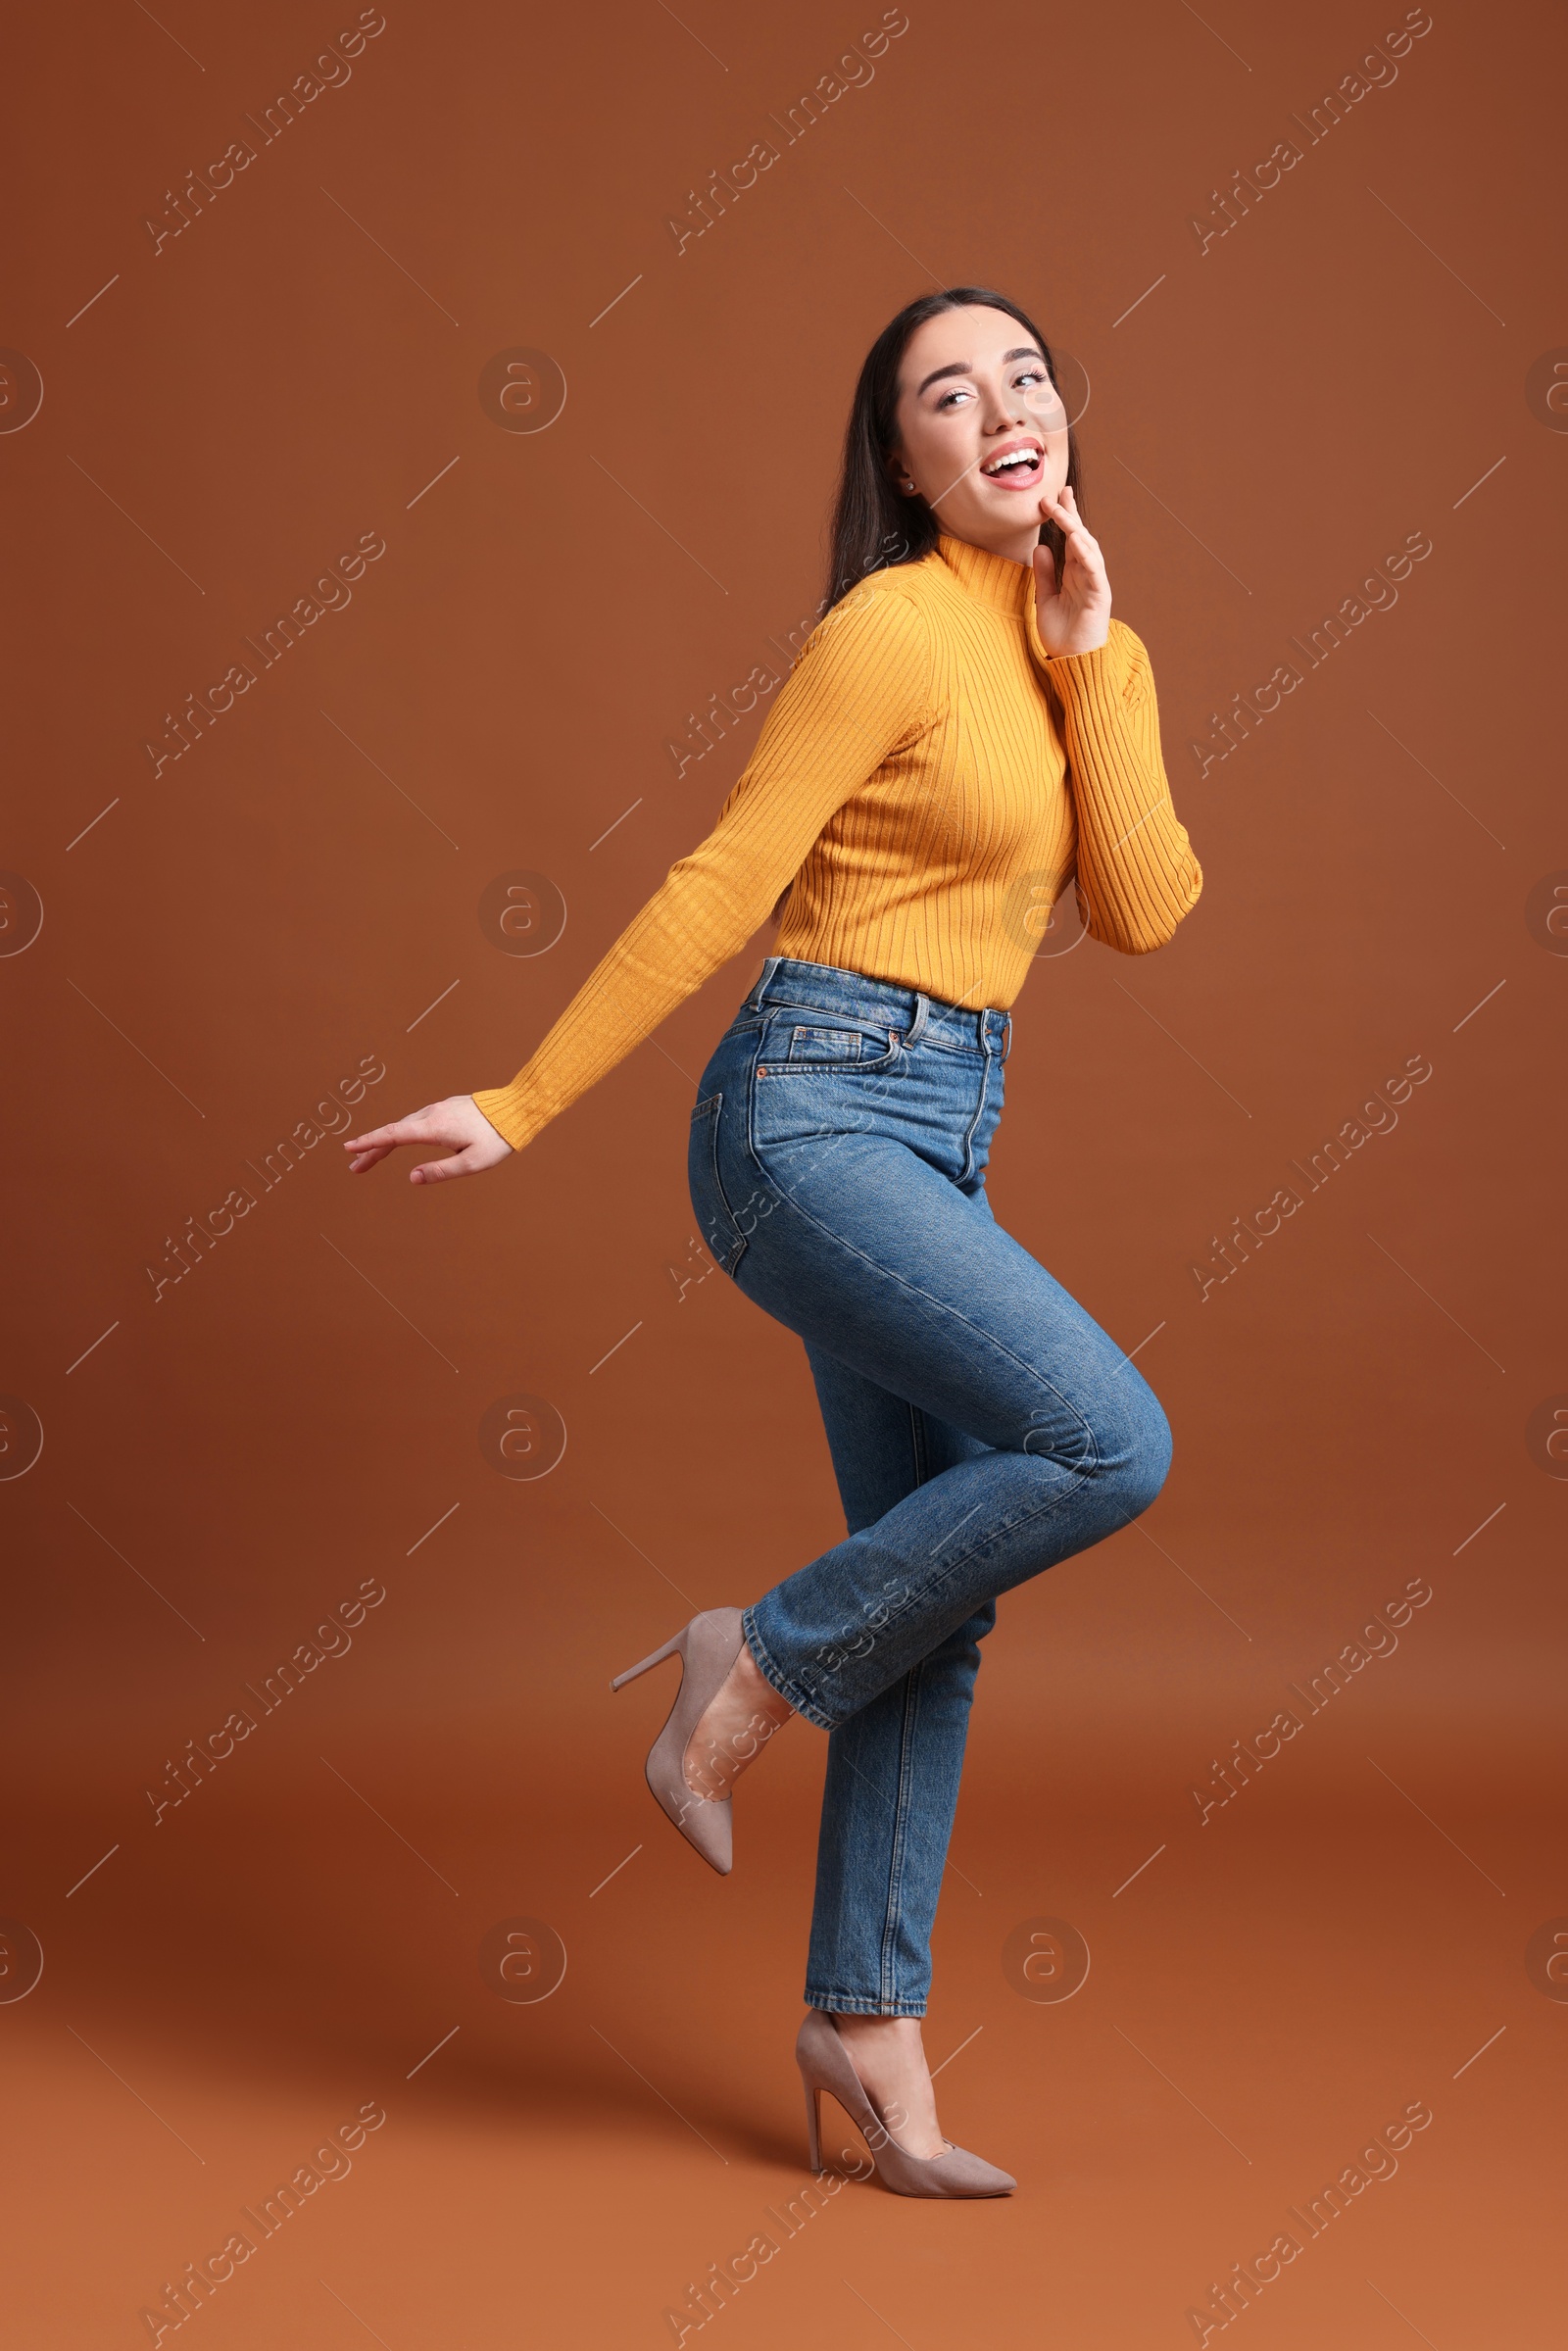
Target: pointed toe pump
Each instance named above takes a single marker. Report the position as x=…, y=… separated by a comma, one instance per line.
x=707, y=1648
x=825, y=2064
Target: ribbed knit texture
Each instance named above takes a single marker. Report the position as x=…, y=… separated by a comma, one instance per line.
x=928, y=777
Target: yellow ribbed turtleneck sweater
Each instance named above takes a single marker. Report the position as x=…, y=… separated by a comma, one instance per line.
x=928, y=778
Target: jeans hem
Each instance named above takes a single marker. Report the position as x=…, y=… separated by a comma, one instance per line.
x=845, y=2003
x=771, y=1671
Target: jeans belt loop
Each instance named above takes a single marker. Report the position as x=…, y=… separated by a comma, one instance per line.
x=916, y=1028
x=754, y=1000
x=1007, y=1036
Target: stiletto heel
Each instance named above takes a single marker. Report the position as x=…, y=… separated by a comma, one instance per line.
x=658, y=1659
x=826, y=2065
x=707, y=1648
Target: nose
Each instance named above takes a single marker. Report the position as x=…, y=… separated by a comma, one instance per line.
x=1003, y=410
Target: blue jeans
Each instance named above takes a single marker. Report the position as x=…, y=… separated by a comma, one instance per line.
x=981, y=1426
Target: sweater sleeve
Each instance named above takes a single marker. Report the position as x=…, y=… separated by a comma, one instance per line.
x=860, y=690
x=1137, y=873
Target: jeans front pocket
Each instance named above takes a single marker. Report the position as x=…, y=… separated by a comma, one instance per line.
x=816, y=1077
x=808, y=1043
x=722, y=1237
x=800, y=1042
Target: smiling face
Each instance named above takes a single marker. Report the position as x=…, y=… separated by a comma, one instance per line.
x=981, y=430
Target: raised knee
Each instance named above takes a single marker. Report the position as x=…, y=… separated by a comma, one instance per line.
x=1150, y=1464
x=1135, y=1453
x=1120, y=1437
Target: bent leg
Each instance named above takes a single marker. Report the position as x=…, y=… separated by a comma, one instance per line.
x=876, y=1260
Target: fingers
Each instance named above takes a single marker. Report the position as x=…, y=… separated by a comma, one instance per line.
x=437, y=1172
x=456, y=1128
x=1064, y=512
x=372, y=1147
x=1083, y=562
x=399, y=1131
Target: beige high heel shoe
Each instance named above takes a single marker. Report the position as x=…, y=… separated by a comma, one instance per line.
x=826, y=2065
x=707, y=1648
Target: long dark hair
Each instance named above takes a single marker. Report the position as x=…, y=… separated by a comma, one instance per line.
x=873, y=526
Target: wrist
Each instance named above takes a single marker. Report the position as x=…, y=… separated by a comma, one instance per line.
x=1089, y=633
x=1080, y=642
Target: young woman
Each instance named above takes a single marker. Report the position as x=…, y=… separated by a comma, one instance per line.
x=966, y=729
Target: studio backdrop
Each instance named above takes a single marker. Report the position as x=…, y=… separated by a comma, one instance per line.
x=418, y=430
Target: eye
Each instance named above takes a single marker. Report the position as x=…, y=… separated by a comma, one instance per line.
x=959, y=392
x=1038, y=373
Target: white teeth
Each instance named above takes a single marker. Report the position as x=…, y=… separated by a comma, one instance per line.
x=1014, y=458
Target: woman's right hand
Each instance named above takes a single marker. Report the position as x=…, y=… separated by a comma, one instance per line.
x=458, y=1123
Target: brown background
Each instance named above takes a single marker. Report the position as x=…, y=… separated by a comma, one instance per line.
x=221, y=419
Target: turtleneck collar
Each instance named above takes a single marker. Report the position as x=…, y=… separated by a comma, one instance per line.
x=993, y=579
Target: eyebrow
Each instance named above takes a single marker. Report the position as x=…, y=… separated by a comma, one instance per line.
x=1025, y=351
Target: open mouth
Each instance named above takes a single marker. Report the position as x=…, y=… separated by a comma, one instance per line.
x=1017, y=465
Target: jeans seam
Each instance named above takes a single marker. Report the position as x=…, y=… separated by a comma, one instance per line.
x=711, y=1108
x=837, y=2003
x=967, y=1169
x=907, y=1723
x=878, y=1067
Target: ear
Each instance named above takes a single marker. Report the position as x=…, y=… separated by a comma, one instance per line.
x=893, y=467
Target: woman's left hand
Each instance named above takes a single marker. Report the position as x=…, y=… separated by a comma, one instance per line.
x=457, y=1126
x=1072, y=614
